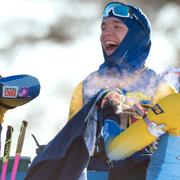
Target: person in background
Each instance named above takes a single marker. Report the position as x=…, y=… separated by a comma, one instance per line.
x=15, y=91
x=126, y=42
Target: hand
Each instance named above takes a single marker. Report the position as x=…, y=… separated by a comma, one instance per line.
x=111, y=104
x=128, y=111
x=124, y=116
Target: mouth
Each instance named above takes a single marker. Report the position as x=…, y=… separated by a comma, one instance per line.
x=110, y=47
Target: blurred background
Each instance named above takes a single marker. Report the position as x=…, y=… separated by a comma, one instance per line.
x=57, y=41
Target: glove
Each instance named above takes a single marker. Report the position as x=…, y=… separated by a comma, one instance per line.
x=110, y=105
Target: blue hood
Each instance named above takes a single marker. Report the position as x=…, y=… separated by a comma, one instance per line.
x=134, y=49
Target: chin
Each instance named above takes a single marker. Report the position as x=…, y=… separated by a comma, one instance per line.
x=109, y=53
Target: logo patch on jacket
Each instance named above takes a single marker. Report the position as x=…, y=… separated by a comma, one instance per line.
x=10, y=92
x=157, y=109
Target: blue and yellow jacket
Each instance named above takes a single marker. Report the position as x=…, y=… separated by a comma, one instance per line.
x=143, y=86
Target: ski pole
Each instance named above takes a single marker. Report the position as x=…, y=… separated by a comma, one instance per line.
x=7, y=148
x=40, y=147
x=19, y=149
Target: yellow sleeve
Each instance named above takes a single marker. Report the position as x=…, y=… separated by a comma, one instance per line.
x=163, y=90
x=76, y=101
x=139, y=135
x=2, y=112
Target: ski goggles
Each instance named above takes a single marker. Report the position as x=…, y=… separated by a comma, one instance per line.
x=121, y=10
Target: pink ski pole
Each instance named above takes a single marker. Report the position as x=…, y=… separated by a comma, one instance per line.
x=19, y=149
x=7, y=148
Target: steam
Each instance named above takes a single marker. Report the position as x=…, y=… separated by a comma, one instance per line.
x=136, y=88
x=172, y=75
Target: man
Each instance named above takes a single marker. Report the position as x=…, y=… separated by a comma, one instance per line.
x=105, y=101
x=126, y=41
x=17, y=90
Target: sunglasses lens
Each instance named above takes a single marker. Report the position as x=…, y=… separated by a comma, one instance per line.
x=121, y=10
x=117, y=9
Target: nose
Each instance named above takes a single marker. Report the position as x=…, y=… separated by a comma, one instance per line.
x=107, y=31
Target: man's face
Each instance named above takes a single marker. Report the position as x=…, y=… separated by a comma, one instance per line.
x=113, y=32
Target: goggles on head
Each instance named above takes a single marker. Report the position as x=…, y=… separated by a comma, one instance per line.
x=121, y=10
